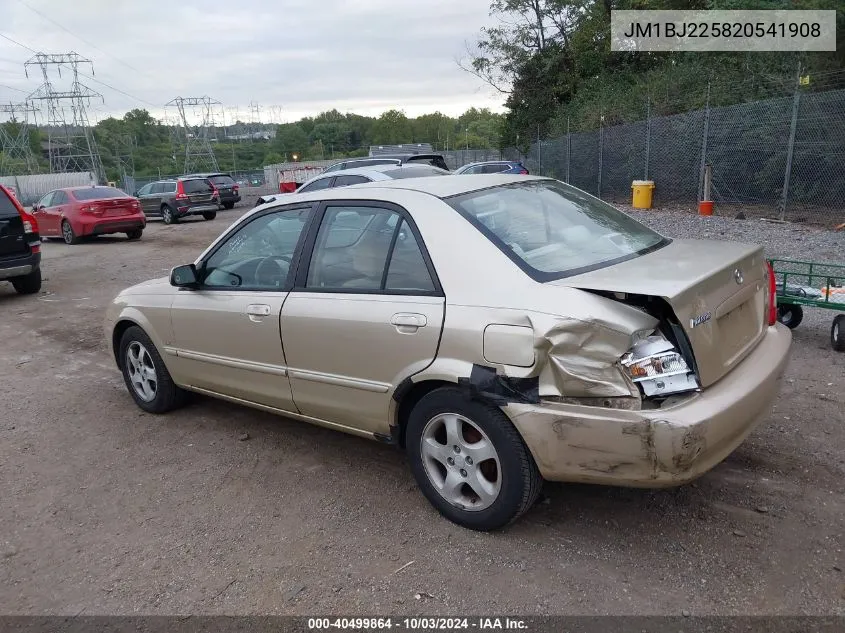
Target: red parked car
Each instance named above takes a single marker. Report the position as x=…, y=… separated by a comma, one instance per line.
x=76, y=212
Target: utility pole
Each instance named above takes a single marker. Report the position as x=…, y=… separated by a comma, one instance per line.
x=71, y=143
x=17, y=157
x=199, y=155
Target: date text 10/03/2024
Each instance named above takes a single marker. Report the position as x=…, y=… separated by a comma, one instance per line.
x=418, y=624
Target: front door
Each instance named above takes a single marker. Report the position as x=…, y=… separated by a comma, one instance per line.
x=148, y=201
x=46, y=225
x=227, y=338
x=365, y=314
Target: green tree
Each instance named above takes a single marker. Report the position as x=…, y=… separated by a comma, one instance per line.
x=391, y=128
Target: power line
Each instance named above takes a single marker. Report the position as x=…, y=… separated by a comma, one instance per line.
x=102, y=83
x=52, y=21
x=11, y=88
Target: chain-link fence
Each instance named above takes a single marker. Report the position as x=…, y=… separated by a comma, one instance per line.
x=782, y=157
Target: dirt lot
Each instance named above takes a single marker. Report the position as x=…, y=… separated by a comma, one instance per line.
x=108, y=510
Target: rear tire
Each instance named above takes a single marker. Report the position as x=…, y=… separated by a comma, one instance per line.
x=141, y=364
x=790, y=315
x=209, y=215
x=28, y=284
x=228, y=205
x=167, y=215
x=837, y=333
x=503, y=468
x=135, y=235
x=67, y=233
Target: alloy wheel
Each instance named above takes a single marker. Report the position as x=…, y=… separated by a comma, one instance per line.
x=141, y=371
x=461, y=461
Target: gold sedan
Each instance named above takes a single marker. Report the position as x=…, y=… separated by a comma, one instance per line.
x=501, y=329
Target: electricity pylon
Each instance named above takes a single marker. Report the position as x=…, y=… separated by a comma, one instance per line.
x=17, y=157
x=199, y=155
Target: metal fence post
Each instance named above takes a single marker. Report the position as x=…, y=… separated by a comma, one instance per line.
x=704, y=144
x=647, y=133
x=539, y=153
x=568, y=150
x=796, y=100
x=601, y=151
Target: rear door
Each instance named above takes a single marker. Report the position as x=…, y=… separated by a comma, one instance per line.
x=56, y=211
x=12, y=240
x=365, y=313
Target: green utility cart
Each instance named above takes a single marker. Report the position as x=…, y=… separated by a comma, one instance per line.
x=811, y=284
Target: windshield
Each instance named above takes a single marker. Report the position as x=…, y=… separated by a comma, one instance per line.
x=417, y=171
x=552, y=230
x=98, y=193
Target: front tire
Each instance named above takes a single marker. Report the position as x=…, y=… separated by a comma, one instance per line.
x=145, y=374
x=67, y=233
x=209, y=215
x=837, y=333
x=470, y=461
x=135, y=234
x=790, y=315
x=28, y=284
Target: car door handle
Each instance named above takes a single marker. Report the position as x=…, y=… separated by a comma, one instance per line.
x=257, y=310
x=408, y=322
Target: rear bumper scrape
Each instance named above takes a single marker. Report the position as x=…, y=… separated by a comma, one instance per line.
x=657, y=447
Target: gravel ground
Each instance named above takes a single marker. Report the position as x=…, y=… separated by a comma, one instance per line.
x=221, y=509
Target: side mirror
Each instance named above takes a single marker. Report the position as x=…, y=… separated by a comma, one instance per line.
x=35, y=208
x=184, y=276
x=136, y=195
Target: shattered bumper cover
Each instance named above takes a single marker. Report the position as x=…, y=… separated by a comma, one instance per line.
x=658, y=447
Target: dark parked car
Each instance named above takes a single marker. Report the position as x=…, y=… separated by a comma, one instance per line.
x=20, y=245
x=435, y=160
x=228, y=190
x=172, y=200
x=493, y=167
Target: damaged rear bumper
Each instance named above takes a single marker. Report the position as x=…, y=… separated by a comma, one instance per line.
x=657, y=447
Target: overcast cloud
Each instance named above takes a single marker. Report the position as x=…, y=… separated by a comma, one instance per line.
x=364, y=56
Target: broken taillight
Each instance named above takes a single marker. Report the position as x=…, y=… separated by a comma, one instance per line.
x=658, y=368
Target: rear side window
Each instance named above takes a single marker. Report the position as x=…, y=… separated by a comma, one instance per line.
x=7, y=206
x=197, y=186
x=496, y=168
x=343, y=181
x=222, y=180
x=60, y=197
x=97, y=193
x=322, y=183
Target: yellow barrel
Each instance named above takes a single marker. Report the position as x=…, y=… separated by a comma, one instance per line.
x=643, y=190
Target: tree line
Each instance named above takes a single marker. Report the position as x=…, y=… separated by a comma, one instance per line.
x=138, y=144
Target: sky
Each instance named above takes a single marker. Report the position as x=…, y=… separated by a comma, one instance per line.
x=293, y=58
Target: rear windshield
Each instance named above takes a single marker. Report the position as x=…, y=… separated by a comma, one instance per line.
x=417, y=171
x=552, y=230
x=98, y=193
x=196, y=186
x=435, y=160
x=222, y=180
x=7, y=207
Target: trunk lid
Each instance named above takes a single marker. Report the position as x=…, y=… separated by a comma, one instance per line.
x=717, y=291
x=114, y=207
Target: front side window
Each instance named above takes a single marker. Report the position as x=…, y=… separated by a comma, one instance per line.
x=60, y=197
x=259, y=254
x=46, y=201
x=145, y=190
x=361, y=248
x=553, y=230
